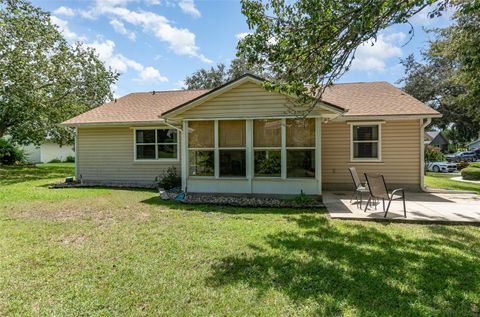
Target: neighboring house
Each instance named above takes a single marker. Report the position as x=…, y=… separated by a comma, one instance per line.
x=47, y=152
x=240, y=138
x=437, y=139
x=474, y=145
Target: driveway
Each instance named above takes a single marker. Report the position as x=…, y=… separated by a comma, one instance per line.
x=421, y=207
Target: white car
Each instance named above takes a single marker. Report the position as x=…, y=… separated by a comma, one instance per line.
x=445, y=167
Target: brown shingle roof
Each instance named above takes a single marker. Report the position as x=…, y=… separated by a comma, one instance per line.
x=375, y=99
x=360, y=99
x=136, y=107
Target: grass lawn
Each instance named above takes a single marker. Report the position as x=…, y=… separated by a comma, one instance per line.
x=102, y=252
x=443, y=181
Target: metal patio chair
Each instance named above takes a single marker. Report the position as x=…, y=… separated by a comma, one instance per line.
x=378, y=190
x=359, y=188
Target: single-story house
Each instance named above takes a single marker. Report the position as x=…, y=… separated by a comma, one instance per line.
x=437, y=139
x=240, y=138
x=48, y=151
x=474, y=145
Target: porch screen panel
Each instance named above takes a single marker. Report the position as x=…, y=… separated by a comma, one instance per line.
x=201, y=147
x=300, y=145
x=267, y=143
x=232, y=152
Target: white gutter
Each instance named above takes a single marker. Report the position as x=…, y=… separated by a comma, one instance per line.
x=171, y=125
x=424, y=124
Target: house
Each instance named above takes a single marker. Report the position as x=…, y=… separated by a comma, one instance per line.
x=474, y=145
x=437, y=139
x=48, y=151
x=240, y=138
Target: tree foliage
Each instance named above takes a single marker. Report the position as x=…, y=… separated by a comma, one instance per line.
x=220, y=74
x=44, y=79
x=447, y=77
x=311, y=43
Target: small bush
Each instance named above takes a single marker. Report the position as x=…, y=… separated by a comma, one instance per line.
x=461, y=165
x=302, y=199
x=476, y=165
x=70, y=159
x=433, y=154
x=169, y=179
x=55, y=161
x=471, y=173
x=11, y=154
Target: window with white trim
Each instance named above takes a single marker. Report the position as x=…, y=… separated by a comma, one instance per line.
x=267, y=148
x=201, y=148
x=156, y=144
x=300, y=148
x=365, y=142
x=232, y=151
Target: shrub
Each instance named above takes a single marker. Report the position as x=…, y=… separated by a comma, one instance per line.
x=433, y=154
x=471, y=173
x=170, y=179
x=461, y=165
x=56, y=160
x=70, y=159
x=476, y=165
x=302, y=199
x=11, y=154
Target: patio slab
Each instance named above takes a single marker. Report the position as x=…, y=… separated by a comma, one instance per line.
x=453, y=208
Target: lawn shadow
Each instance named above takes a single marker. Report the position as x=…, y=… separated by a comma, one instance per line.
x=356, y=266
x=10, y=175
x=158, y=201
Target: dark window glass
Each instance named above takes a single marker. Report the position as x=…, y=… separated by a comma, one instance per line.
x=232, y=163
x=300, y=163
x=268, y=163
x=145, y=152
x=365, y=133
x=145, y=136
x=201, y=163
x=167, y=151
x=166, y=136
x=365, y=150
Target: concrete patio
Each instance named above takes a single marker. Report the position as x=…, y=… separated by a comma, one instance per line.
x=452, y=207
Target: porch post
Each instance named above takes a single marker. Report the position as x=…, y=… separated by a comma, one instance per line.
x=184, y=155
x=318, y=154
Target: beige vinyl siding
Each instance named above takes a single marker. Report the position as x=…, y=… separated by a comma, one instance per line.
x=400, y=155
x=106, y=155
x=246, y=100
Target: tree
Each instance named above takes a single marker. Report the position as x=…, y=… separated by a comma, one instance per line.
x=219, y=75
x=44, y=79
x=311, y=43
x=448, y=76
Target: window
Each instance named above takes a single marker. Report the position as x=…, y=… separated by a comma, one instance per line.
x=267, y=144
x=156, y=144
x=365, y=142
x=300, y=147
x=201, y=147
x=231, y=144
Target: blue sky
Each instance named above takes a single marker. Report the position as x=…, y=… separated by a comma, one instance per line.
x=154, y=44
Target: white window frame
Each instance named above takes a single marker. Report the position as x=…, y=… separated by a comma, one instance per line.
x=156, y=159
x=263, y=148
x=379, y=141
x=284, y=144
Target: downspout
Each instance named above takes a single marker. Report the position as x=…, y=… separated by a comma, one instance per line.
x=76, y=155
x=424, y=123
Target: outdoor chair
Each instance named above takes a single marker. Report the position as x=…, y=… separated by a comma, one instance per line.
x=378, y=190
x=359, y=188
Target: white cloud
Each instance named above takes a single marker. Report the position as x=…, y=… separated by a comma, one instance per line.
x=422, y=18
x=62, y=26
x=121, y=64
x=151, y=74
x=66, y=11
x=373, y=55
x=119, y=27
x=242, y=35
x=180, y=41
x=188, y=6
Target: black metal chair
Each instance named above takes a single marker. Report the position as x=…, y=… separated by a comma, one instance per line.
x=378, y=190
x=359, y=188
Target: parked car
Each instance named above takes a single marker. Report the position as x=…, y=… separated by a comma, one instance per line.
x=477, y=153
x=445, y=167
x=465, y=157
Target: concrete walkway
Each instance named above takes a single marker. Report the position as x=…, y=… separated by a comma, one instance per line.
x=455, y=208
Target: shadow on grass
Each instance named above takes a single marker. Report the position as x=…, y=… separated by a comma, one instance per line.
x=10, y=175
x=229, y=209
x=364, y=268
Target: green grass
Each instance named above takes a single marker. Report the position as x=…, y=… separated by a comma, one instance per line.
x=105, y=252
x=443, y=181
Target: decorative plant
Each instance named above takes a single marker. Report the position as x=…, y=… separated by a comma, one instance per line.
x=10, y=154
x=169, y=179
x=302, y=199
x=472, y=172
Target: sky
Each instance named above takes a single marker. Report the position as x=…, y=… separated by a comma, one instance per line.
x=155, y=44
